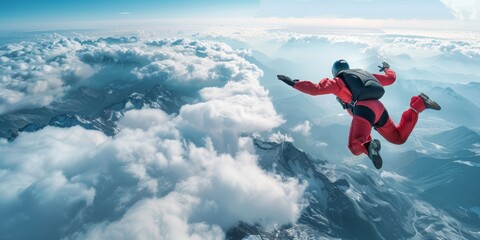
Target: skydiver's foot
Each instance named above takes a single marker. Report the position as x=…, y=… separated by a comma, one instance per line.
x=429, y=103
x=374, y=153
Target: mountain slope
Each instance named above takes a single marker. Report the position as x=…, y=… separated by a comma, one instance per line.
x=157, y=97
x=347, y=202
x=457, y=139
x=447, y=182
x=455, y=108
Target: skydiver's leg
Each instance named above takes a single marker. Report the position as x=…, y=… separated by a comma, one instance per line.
x=359, y=135
x=399, y=134
x=365, y=114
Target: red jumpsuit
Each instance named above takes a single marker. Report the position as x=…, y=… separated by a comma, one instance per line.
x=373, y=114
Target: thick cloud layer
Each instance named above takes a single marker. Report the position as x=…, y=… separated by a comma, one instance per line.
x=185, y=176
x=230, y=93
x=33, y=74
x=146, y=180
x=356, y=47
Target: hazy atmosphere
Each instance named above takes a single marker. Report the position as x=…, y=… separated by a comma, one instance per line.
x=165, y=120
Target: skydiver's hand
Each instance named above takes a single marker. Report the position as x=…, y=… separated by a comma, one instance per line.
x=287, y=80
x=384, y=66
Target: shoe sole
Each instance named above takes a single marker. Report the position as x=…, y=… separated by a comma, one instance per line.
x=374, y=148
x=428, y=102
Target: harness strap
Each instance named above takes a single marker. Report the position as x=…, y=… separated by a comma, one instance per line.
x=347, y=105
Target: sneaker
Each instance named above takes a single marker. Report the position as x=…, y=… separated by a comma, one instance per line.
x=374, y=153
x=429, y=103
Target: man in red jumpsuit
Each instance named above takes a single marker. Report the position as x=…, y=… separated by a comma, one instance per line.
x=367, y=113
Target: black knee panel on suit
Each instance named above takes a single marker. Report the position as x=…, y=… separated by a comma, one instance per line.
x=383, y=120
x=369, y=115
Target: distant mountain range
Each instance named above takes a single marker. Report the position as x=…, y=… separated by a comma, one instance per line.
x=157, y=97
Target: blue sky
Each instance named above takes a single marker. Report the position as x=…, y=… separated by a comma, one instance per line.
x=48, y=14
x=88, y=9
x=370, y=9
x=23, y=12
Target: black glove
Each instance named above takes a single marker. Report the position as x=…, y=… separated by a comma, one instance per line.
x=287, y=80
x=383, y=67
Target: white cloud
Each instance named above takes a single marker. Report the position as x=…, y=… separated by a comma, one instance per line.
x=242, y=105
x=303, y=128
x=179, y=68
x=144, y=119
x=192, y=62
x=44, y=158
x=32, y=75
x=320, y=144
x=156, y=218
x=239, y=190
x=224, y=120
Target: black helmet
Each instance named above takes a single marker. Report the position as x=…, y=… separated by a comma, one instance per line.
x=338, y=66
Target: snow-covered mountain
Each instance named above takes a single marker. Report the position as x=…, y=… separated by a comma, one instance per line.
x=444, y=176
x=157, y=97
x=447, y=183
x=352, y=202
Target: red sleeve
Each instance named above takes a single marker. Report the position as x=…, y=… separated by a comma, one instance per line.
x=325, y=86
x=388, y=78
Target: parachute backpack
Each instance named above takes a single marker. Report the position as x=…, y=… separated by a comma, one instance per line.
x=362, y=84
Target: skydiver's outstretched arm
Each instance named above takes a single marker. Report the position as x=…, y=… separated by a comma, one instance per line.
x=325, y=86
x=389, y=77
